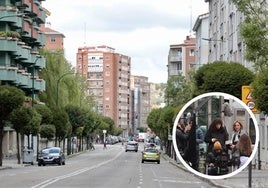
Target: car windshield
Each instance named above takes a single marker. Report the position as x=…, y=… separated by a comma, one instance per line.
x=151, y=151
x=47, y=151
x=54, y=151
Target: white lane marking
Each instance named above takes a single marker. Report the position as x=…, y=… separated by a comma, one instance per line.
x=55, y=179
x=177, y=181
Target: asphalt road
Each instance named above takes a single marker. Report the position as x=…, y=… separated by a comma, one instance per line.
x=111, y=168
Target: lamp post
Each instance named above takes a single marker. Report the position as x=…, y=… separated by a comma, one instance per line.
x=57, y=87
x=33, y=69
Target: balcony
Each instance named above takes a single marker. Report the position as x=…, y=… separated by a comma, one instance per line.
x=174, y=58
x=20, y=77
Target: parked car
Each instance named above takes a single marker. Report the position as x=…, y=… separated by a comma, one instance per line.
x=151, y=154
x=53, y=155
x=132, y=146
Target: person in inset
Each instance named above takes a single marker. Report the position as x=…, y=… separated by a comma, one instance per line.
x=237, y=132
x=244, y=146
x=217, y=160
x=216, y=132
x=199, y=140
x=182, y=135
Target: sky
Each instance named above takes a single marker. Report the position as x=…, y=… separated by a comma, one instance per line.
x=140, y=29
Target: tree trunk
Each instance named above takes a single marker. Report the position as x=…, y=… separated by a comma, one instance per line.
x=1, y=141
x=37, y=147
x=18, y=147
x=28, y=138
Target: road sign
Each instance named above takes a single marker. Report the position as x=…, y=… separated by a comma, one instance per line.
x=248, y=99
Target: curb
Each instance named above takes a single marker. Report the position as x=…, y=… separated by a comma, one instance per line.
x=209, y=181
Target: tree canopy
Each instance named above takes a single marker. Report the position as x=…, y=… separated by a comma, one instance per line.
x=254, y=30
x=178, y=90
x=222, y=77
x=260, y=90
x=10, y=99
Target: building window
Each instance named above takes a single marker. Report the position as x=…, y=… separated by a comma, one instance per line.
x=179, y=65
x=179, y=52
x=107, y=73
x=53, y=39
x=191, y=53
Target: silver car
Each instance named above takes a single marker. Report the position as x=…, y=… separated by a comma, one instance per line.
x=132, y=146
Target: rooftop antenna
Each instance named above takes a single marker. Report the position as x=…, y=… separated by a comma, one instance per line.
x=85, y=34
x=191, y=18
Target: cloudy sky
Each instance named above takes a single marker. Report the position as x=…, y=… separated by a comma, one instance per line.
x=141, y=29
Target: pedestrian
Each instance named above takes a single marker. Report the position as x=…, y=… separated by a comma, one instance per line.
x=91, y=146
x=244, y=146
x=199, y=140
x=216, y=132
x=217, y=160
x=182, y=135
x=104, y=144
x=237, y=132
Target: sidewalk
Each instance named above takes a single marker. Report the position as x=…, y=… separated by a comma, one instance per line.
x=240, y=180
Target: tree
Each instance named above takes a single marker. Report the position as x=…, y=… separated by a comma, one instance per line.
x=68, y=86
x=222, y=77
x=61, y=122
x=47, y=119
x=10, y=99
x=260, y=90
x=25, y=120
x=47, y=131
x=45, y=112
x=254, y=30
x=178, y=90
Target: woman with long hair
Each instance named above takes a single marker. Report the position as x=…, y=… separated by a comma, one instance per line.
x=216, y=132
x=244, y=145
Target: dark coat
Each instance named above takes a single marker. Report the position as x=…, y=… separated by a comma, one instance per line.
x=181, y=140
x=221, y=135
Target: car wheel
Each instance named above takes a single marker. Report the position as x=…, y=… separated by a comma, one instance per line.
x=126, y=150
x=60, y=162
x=142, y=161
x=158, y=162
x=39, y=164
x=63, y=162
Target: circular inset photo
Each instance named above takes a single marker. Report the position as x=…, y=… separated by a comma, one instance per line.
x=215, y=135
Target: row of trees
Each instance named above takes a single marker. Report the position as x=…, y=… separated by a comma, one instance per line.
x=223, y=76
x=64, y=113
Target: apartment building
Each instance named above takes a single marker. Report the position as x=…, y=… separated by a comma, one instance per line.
x=54, y=39
x=20, y=61
x=201, y=32
x=225, y=42
x=181, y=58
x=140, y=89
x=108, y=80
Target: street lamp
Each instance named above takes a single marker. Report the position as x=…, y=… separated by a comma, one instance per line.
x=57, y=87
x=33, y=69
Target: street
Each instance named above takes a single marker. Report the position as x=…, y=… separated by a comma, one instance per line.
x=112, y=167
